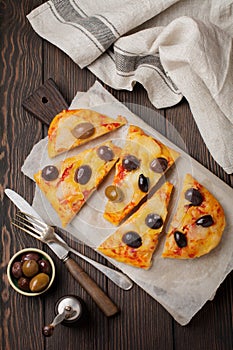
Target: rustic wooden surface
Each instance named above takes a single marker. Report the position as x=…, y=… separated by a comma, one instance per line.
x=26, y=62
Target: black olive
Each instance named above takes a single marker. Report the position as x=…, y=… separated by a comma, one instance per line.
x=181, y=239
x=143, y=183
x=45, y=266
x=154, y=221
x=50, y=173
x=23, y=283
x=194, y=196
x=130, y=162
x=105, y=153
x=132, y=239
x=205, y=221
x=83, y=174
x=159, y=165
x=17, y=269
x=30, y=256
x=83, y=130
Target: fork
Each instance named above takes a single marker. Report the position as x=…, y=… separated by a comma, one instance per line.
x=46, y=234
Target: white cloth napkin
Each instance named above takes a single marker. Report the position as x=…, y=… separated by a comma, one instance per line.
x=173, y=48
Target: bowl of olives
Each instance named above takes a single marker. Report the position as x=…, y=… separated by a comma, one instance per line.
x=31, y=272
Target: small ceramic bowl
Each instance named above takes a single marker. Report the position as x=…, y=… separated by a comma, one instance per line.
x=14, y=281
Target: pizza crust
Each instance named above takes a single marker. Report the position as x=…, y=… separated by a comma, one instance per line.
x=200, y=240
x=66, y=195
x=114, y=246
x=145, y=148
x=60, y=136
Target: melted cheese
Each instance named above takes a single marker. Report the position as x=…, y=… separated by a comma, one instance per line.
x=65, y=194
x=60, y=134
x=115, y=248
x=200, y=240
x=145, y=148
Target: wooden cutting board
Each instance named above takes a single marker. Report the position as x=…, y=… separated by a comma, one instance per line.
x=45, y=102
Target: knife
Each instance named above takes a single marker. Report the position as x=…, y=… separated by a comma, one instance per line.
x=62, y=251
x=120, y=279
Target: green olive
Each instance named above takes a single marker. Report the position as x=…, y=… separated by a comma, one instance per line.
x=114, y=193
x=39, y=282
x=30, y=268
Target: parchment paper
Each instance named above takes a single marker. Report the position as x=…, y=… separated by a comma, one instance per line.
x=181, y=286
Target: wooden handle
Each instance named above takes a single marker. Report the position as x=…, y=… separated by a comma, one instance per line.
x=97, y=294
x=47, y=331
x=45, y=102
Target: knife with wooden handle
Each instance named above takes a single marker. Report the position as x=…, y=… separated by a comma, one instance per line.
x=61, y=249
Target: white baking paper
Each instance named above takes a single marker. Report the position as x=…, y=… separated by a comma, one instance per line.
x=181, y=286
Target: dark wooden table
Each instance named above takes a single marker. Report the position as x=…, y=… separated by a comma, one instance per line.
x=26, y=62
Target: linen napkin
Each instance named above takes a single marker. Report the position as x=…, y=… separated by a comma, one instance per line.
x=173, y=48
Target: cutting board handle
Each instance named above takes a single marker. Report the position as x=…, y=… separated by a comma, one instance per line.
x=45, y=102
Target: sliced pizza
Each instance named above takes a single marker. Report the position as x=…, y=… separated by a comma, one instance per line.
x=198, y=224
x=69, y=183
x=136, y=239
x=72, y=128
x=142, y=163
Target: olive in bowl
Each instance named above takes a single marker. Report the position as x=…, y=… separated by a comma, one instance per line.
x=31, y=272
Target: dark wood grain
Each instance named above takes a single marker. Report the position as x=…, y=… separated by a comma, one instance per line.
x=146, y=317
x=18, y=73
x=211, y=316
x=57, y=65
x=27, y=62
x=45, y=102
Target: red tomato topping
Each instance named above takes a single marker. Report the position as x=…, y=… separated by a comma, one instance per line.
x=110, y=126
x=121, y=173
x=66, y=172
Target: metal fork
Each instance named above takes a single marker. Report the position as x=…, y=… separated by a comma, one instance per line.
x=46, y=234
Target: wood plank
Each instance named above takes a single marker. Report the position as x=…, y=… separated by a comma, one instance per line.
x=121, y=323
x=71, y=79
x=20, y=62
x=211, y=328
x=143, y=323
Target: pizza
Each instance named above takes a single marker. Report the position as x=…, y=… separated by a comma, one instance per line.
x=136, y=239
x=72, y=128
x=143, y=161
x=198, y=223
x=68, y=184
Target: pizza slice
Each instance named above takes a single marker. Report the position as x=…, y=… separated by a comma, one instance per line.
x=72, y=128
x=142, y=163
x=198, y=224
x=136, y=239
x=69, y=183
